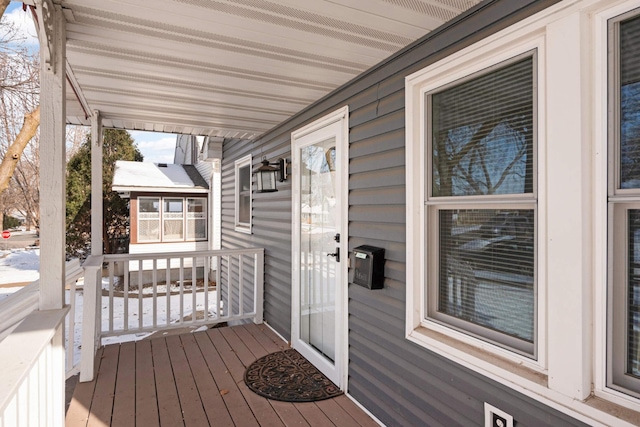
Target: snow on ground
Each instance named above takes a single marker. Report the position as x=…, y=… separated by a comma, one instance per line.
x=19, y=266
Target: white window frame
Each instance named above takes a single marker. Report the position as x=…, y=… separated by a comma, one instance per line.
x=435, y=204
x=420, y=328
x=243, y=227
x=185, y=218
x=612, y=205
x=204, y=218
x=159, y=199
x=571, y=38
x=163, y=237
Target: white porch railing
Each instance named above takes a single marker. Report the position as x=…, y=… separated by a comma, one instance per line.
x=32, y=351
x=144, y=293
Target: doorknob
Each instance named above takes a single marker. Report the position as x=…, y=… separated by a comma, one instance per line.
x=336, y=254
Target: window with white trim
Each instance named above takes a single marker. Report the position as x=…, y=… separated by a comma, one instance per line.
x=196, y=218
x=480, y=205
x=172, y=219
x=624, y=204
x=243, y=194
x=148, y=219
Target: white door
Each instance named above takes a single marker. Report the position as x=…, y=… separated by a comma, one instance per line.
x=319, y=245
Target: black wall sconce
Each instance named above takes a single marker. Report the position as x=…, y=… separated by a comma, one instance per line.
x=268, y=173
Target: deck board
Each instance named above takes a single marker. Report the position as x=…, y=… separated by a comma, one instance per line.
x=168, y=400
x=124, y=404
x=78, y=412
x=190, y=402
x=102, y=404
x=208, y=390
x=196, y=379
x=146, y=398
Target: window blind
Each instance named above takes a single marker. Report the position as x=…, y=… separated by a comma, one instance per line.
x=482, y=144
x=482, y=136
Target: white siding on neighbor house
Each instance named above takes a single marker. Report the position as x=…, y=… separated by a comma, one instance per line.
x=210, y=171
x=160, y=248
x=205, y=168
x=154, y=248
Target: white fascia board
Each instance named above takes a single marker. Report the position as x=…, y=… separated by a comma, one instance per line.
x=120, y=189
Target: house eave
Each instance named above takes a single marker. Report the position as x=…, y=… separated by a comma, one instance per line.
x=133, y=189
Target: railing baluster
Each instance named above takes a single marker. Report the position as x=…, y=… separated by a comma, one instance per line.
x=218, y=285
x=110, y=295
x=240, y=284
x=154, y=273
x=193, y=289
x=230, y=286
x=126, y=295
x=140, y=312
x=205, y=281
x=181, y=290
x=168, y=282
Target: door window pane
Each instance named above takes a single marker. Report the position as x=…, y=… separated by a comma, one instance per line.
x=317, y=242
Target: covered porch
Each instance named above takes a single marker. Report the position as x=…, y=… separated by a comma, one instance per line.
x=227, y=70
x=195, y=379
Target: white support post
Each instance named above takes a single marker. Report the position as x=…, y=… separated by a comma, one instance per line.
x=96, y=184
x=569, y=207
x=91, y=316
x=52, y=154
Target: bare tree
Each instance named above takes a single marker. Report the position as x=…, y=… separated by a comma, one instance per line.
x=19, y=122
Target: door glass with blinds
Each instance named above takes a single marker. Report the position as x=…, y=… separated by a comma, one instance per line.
x=481, y=205
x=624, y=206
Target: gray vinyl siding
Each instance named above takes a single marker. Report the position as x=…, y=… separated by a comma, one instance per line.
x=401, y=383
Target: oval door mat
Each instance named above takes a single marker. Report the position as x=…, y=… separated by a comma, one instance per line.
x=289, y=377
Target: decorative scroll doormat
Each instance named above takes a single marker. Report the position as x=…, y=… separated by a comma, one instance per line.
x=287, y=376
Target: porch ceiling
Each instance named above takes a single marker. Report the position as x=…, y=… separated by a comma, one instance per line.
x=228, y=68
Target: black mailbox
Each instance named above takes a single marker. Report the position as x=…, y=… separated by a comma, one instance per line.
x=369, y=267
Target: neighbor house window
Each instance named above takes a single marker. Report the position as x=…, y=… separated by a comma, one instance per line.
x=171, y=219
x=480, y=205
x=196, y=219
x=148, y=219
x=624, y=204
x=243, y=194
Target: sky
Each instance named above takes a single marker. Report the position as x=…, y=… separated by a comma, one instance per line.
x=155, y=147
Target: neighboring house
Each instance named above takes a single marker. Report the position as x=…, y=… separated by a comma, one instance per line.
x=168, y=207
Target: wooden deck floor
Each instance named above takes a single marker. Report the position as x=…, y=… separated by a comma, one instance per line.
x=195, y=380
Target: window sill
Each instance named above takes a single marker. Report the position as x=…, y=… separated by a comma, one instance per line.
x=522, y=379
x=243, y=229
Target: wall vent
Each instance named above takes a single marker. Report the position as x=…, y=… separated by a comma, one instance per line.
x=494, y=417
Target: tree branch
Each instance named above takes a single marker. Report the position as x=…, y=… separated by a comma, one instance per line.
x=3, y=6
x=11, y=157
